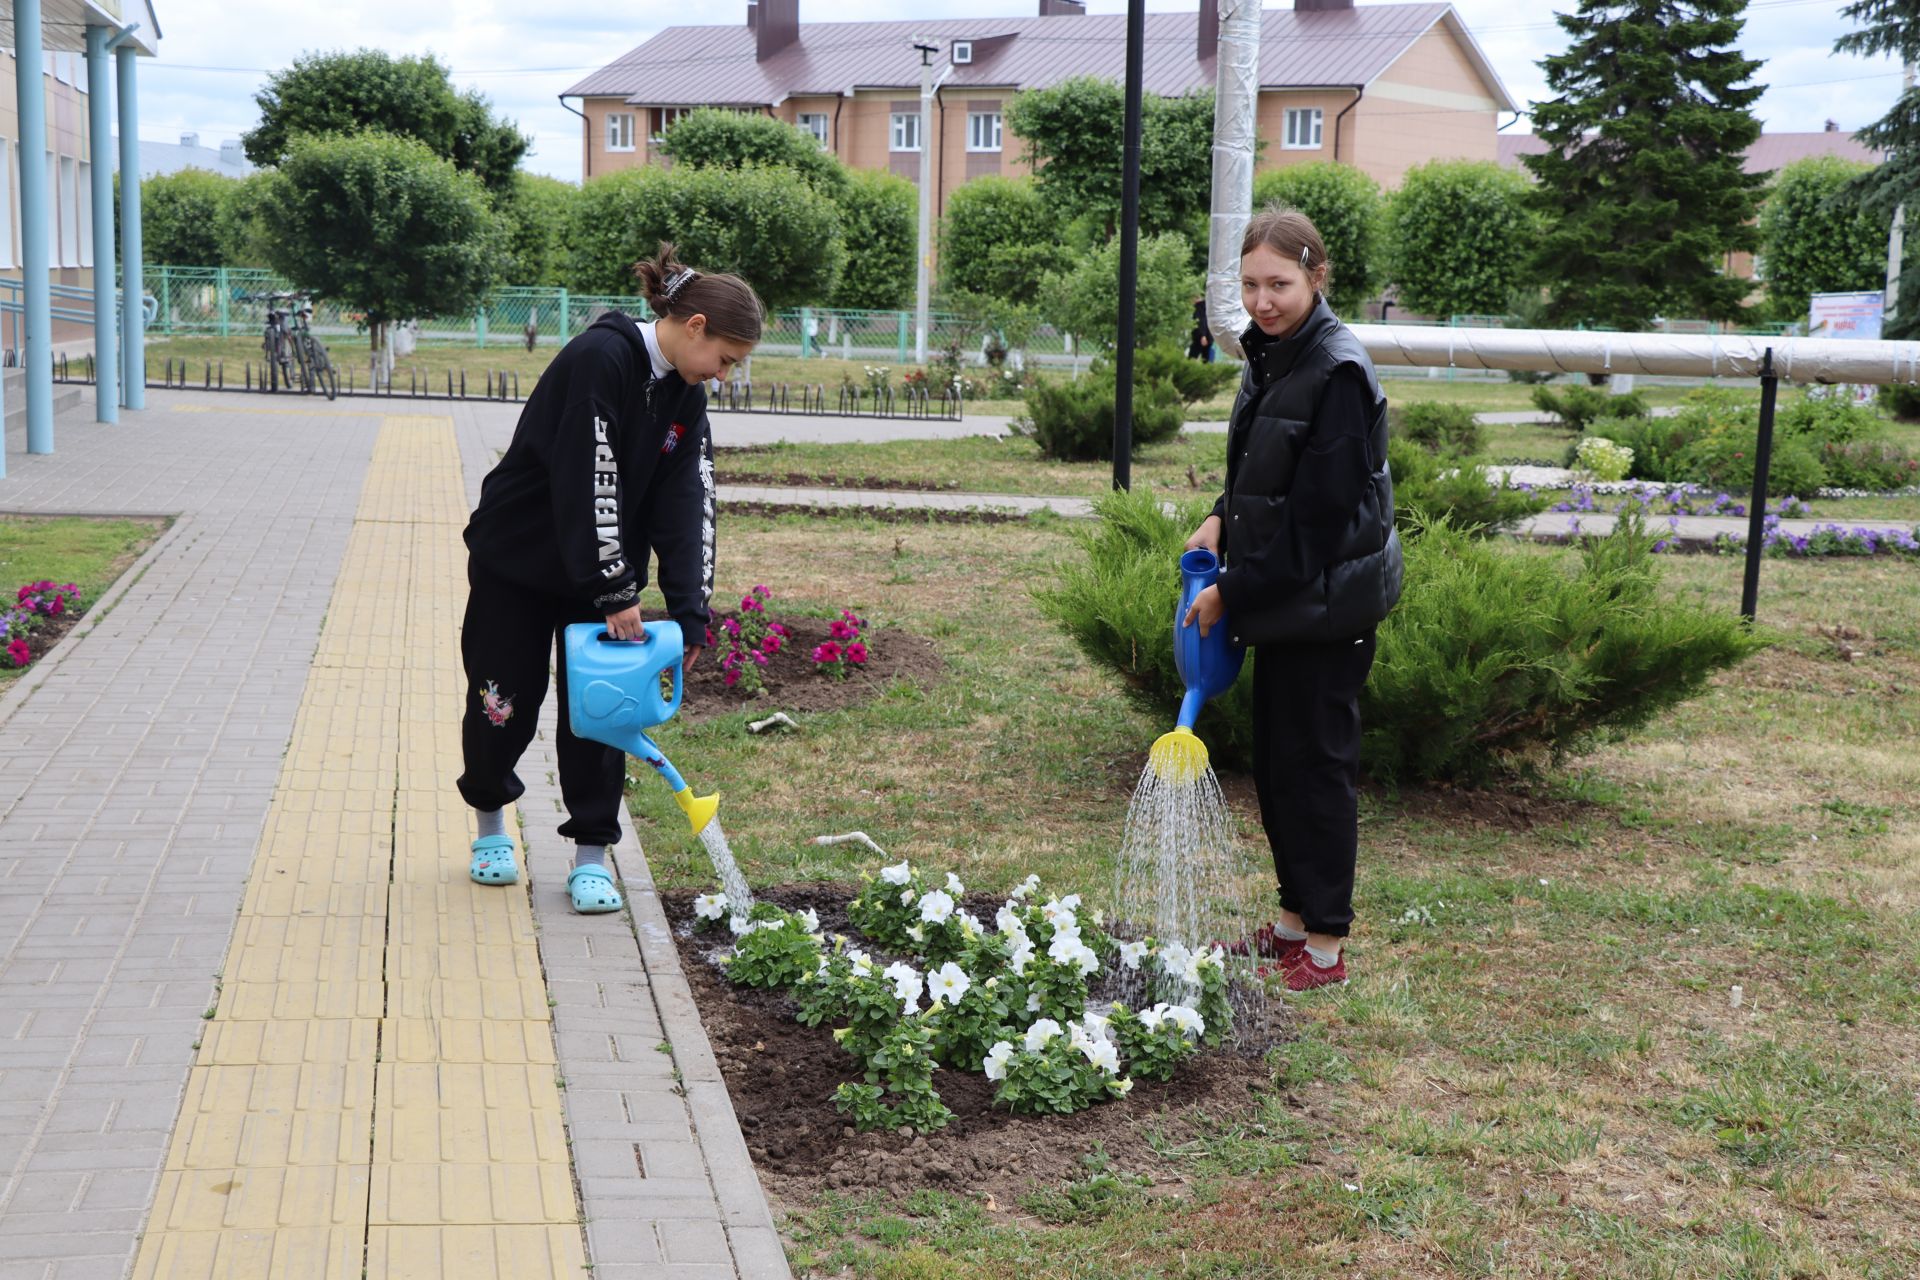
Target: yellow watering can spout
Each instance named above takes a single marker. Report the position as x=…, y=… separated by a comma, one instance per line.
x=1179, y=756
x=700, y=809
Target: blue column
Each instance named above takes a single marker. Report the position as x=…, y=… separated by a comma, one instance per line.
x=106, y=337
x=133, y=322
x=35, y=253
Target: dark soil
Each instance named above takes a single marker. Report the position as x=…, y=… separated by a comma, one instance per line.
x=49, y=632
x=792, y=684
x=781, y=1076
x=802, y=480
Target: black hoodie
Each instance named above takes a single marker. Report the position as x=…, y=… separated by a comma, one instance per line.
x=607, y=462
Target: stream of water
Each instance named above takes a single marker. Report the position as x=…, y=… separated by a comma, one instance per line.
x=732, y=882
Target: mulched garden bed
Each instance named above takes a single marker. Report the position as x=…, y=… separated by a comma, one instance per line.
x=792, y=684
x=781, y=1076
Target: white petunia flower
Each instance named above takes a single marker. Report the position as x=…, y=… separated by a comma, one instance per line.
x=1095, y=1023
x=1071, y=902
x=996, y=1064
x=1007, y=921
x=1027, y=886
x=1101, y=1054
x=1054, y=910
x=710, y=906
x=1120, y=1088
x=936, y=907
x=954, y=886
x=906, y=897
x=1022, y=955
x=949, y=983
x=1033, y=1002
x=899, y=873
x=1173, y=959
x=915, y=932
x=1131, y=953
x=1152, y=1018
x=862, y=962
x=1188, y=1020
x=1041, y=1034
x=1211, y=958
x=1070, y=950
x=907, y=985
x=969, y=923
x=810, y=919
x=742, y=926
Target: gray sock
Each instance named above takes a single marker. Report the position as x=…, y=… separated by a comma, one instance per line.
x=1291, y=935
x=1323, y=959
x=493, y=822
x=589, y=855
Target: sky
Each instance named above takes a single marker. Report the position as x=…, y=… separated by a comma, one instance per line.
x=521, y=56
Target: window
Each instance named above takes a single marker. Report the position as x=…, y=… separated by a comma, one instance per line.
x=814, y=123
x=6, y=203
x=69, y=214
x=1303, y=129
x=619, y=130
x=906, y=131
x=962, y=52
x=664, y=118
x=84, y=206
x=983, y=131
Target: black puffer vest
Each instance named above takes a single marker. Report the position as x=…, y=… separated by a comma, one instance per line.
x=1271, y=417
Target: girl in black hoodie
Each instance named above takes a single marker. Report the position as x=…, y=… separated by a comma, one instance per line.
x=612, y=459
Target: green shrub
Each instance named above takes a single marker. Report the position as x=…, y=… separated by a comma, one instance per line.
x=1878, y=465
x=1830, y=419
x=1577, y=406
x=1496, y=655
x=1499, y=656
x=1902, y=400
x=1438, y=427
x=1194, y=381
x=1723, y=459
x=1657, y=444
x=1072, y=418
x=1447, y=488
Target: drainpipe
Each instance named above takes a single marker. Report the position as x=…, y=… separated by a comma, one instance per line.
x=838, y=103
x=587, y=157
x=1235, y=127
x=1359, y=92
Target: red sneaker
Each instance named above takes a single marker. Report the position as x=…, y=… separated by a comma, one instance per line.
x=1267, y=944
x=1304, y=975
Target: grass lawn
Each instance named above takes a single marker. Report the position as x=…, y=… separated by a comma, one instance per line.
x=1539, y=1068
x=89, y=552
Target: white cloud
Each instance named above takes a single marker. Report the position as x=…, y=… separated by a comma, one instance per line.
x=211, y=66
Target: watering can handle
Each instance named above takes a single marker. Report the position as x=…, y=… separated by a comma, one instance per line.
x=679, y=670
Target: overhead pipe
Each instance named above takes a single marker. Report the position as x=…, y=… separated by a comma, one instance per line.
x=1236, y=101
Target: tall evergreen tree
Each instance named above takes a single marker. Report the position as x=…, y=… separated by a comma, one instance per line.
x=1643, y=183
x=1892, y=26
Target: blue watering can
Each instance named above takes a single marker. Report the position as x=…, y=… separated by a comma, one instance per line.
x=1208, y=666
x=617, y=689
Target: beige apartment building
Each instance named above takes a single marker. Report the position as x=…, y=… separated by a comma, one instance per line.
x=69, y=171
x=1383, y=87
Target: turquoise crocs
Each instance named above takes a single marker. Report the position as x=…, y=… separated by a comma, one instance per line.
x=493, y=861
x=592, y=891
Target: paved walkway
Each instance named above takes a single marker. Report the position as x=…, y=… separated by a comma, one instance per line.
x=254, y=1020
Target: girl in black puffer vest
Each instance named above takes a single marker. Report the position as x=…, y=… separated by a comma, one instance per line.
x=1313, y=564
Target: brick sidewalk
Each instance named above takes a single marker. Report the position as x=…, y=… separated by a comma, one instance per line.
x=140, y=769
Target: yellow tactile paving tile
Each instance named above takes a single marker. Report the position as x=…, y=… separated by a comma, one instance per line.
x=378, y=1079
x=445, y=1040
x=461, y=1253
x=259, y=1199
x=468, y=1113
x=476, y=1194
x=313, y=1253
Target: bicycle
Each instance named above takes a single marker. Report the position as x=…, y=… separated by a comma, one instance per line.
x=293, y=354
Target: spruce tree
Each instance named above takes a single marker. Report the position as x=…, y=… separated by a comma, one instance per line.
x=1643, y=183
x=1893, y=26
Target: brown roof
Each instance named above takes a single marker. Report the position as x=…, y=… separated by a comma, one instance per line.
x=1772, y=151
x=715, y=65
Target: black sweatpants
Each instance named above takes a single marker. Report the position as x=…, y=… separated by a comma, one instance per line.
x=1306, y=767
x=509, y=634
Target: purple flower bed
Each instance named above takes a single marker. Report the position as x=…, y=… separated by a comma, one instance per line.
x=1826, y=540
x=1671, y=500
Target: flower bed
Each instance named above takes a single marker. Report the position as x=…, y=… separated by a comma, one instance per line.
x=42, y=612
x=945, y=1055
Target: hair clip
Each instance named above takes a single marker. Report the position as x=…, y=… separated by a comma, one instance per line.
x=1305, y=253
x=679, y=282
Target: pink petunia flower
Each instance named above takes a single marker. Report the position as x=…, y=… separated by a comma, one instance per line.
x=856, y=653
x=731, y=678
x=770, y=645
x=778, y=629
x=841, y=631
x=827, y=652
x=760, y=659
x=709, y=637
x=750, y=605
x=732, y=627
x=761, y=592
x=19, y=654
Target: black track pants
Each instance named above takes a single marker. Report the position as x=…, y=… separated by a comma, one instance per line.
x=506, y=642
x=1306, y=766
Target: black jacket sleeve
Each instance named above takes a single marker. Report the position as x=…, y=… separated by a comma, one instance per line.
x=583, y=477
x=680, y=527
x=1328, y=487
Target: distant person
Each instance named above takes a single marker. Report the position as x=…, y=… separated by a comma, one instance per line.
x=1312, y=566
x=612, y=459
x=1200, y=342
